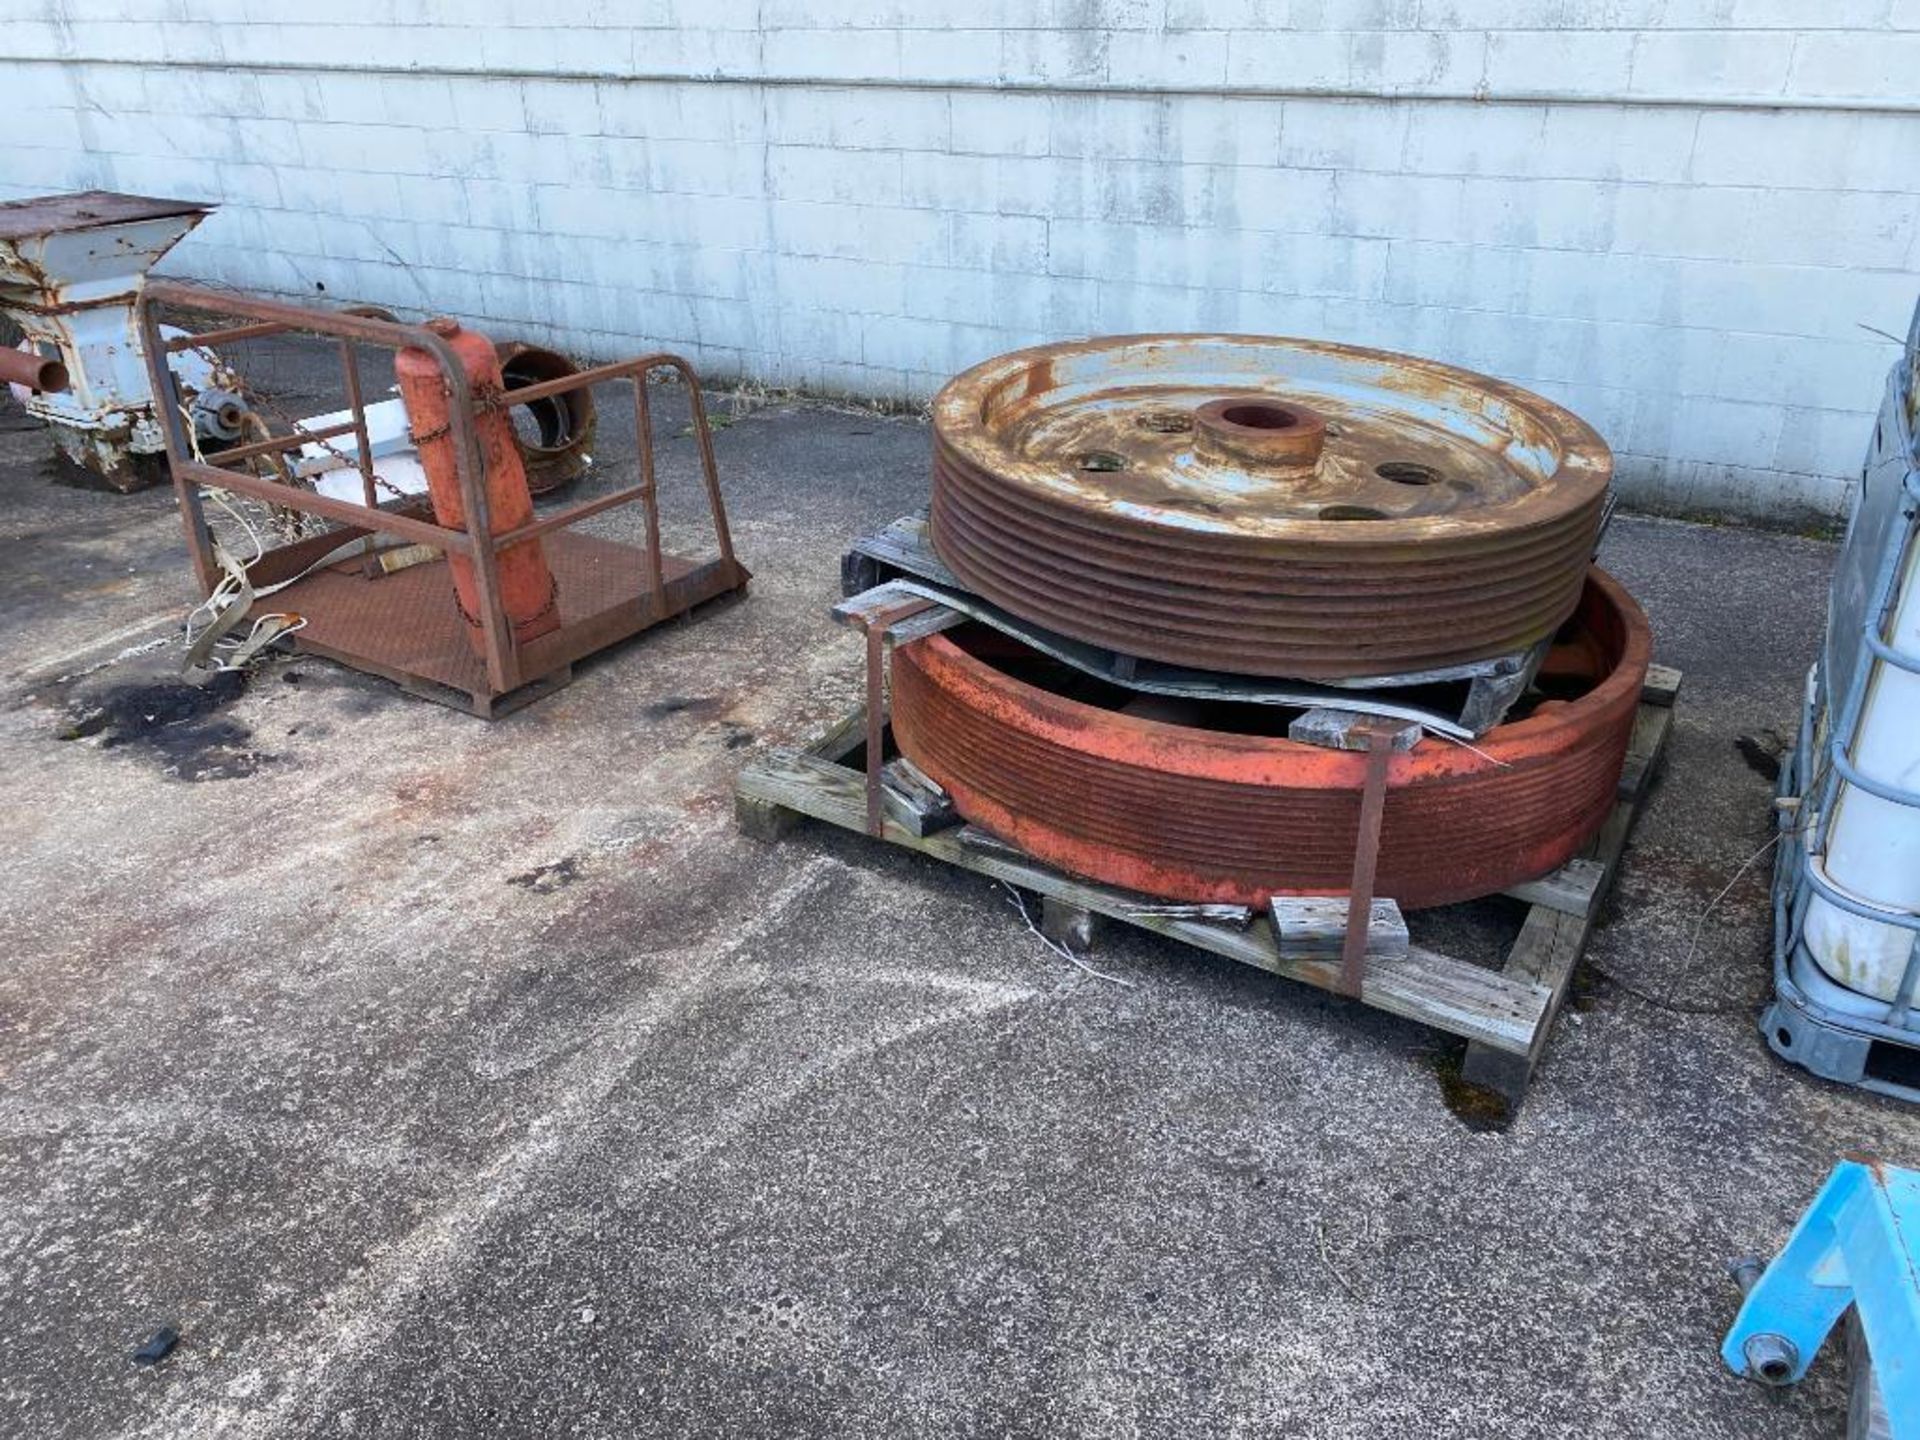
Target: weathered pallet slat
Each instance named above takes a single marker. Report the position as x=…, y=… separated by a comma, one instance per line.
x=1649, y=739
x=1552, y=940
x=1505, y=1015
x=1314, y=927
x=1434, y=989
x=762, y=820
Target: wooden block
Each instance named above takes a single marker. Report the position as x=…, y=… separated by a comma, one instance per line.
x=913, y=801
x=920, y=777
x=760, y=820
x=1504, y=1072
x=865, y=608
x=1314, y=927
x=1662, y=685
x=1571, y=889
x=1347, y=729
x=1067, y=924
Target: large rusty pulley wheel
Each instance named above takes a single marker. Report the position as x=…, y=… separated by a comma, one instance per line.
x=1266, y=506
x=1212, y=802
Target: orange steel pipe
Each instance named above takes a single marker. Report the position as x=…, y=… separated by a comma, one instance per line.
x=1198, y=814
x=37, y=372
x=528, y=593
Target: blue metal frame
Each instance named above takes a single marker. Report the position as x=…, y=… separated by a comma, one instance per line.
x=1858, y=1245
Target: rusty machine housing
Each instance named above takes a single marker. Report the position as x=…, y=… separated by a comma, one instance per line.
x=71, y=271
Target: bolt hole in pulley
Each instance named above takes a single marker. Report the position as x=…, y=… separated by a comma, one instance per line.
x=1407, y=472
x=1351, y=512
x=1102, y=461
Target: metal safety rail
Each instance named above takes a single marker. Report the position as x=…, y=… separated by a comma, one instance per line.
x=602, y=608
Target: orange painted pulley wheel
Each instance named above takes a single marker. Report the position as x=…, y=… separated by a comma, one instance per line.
x=1222, y=807
x=528, y=592
x=1264, y=506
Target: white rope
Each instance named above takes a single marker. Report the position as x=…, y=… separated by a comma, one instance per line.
x=236, y=652
x=1465, y=745
x=1020, y=904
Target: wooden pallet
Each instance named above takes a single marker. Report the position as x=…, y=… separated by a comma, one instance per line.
x=1504, y=1015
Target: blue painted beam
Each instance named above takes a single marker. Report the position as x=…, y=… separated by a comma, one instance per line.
x=1858, y=1244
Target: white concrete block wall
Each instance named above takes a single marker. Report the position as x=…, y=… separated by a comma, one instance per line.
x=1676, y=216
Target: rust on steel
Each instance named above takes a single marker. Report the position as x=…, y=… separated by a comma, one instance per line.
x=1212, y=803
x=876, y=626
x=527, y=590
x=1266, y=506
x=83, y=210
x=608, y=590
x=559, y=449
x=44, y=373
x=1366, y=856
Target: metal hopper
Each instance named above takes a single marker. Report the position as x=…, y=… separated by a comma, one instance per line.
x=71, y=272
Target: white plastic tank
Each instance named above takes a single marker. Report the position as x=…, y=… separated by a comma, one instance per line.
x=1870, y=675
x=1873, y=844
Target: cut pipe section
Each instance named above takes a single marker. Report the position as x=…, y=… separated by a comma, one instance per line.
x=43, y=374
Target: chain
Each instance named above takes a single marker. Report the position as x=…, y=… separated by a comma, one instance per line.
x=227, y=375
